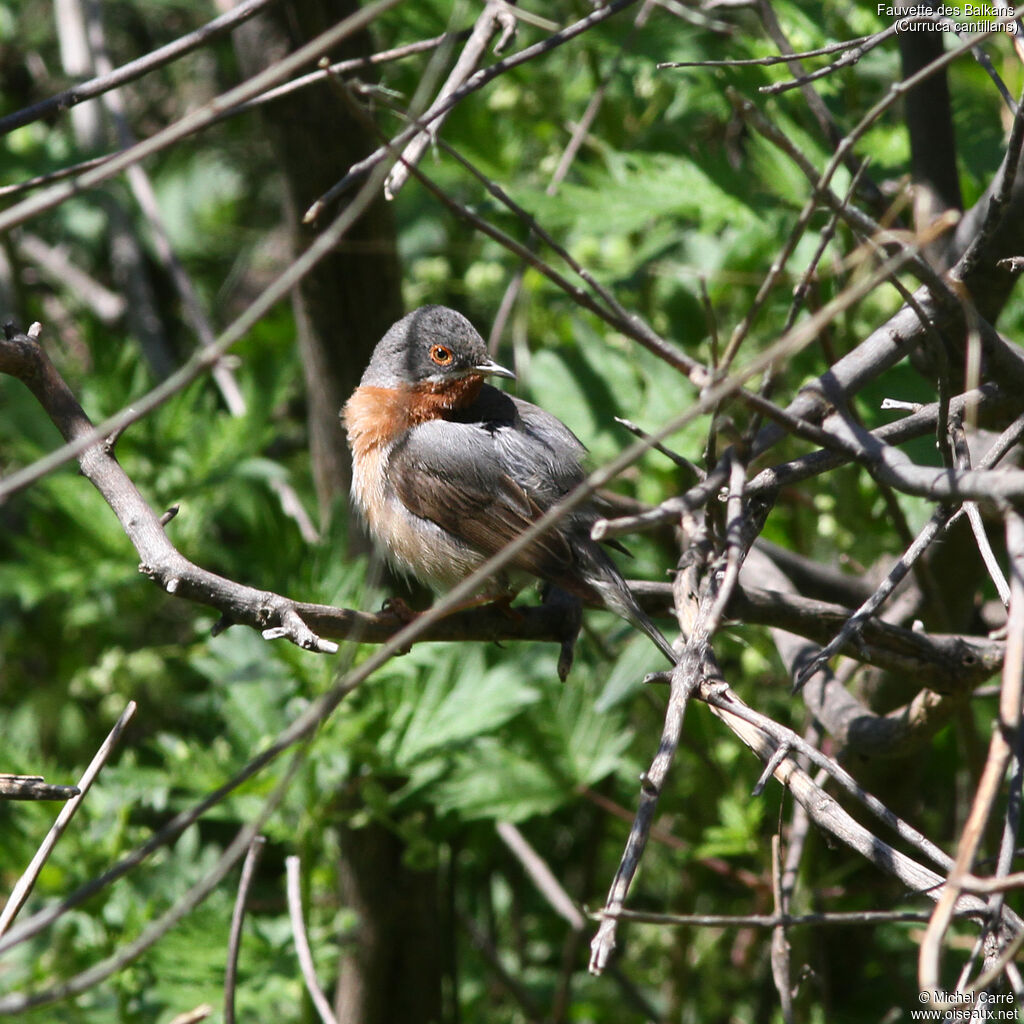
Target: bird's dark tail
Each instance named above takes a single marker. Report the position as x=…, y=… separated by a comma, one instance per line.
x=617, y=596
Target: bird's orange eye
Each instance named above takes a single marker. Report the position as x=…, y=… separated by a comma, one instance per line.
x=441, y=355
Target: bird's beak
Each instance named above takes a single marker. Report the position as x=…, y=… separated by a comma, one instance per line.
x=489, y=368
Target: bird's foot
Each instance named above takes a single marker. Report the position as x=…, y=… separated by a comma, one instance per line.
x=572, y=609
x=501, y=603
x=397, y=607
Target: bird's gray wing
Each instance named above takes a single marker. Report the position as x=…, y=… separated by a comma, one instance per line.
x=485, y=485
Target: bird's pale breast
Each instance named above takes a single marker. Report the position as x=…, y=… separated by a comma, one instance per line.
x=375, y=419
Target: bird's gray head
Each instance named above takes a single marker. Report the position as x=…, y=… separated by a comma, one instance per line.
x=431, y=345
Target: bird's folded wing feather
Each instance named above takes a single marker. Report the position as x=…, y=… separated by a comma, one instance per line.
x=464, y=478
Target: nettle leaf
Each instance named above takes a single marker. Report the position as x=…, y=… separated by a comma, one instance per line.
x=625, y=677
x=591, y=742
x=635, y=190
x=459, y=702
x=496, y=782
x=738, y=830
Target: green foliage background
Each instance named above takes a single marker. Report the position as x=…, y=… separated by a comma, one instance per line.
x=668, y=191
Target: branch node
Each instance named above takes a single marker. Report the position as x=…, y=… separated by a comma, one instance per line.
x=221, y=625
x=110, y=441
x=661, y=678
x=169, y=514
x=647, y=786
x=896, y=403
x=293, y=628
x=769, y=769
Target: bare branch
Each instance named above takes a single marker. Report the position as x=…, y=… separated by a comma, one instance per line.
x=475, y=82
x=252, y=857
x=17, y=1003
x=824, y=919
x=33, y=787
x=136, y=68
x=1000, y=751
x=256, y=85
x=305, y=955
x=535, y=866
x=782, y=58
x=23, y=887
x=492, y=19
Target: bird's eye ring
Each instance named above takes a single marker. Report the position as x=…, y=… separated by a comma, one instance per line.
x=441, y=355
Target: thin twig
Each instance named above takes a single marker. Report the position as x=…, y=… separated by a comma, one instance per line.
x=694, y=472
x=579, y=133
x=111, y=79
x=837, y=918
x=725, y=700
x=963, y=461
x=342, y=67
x=823, y=51
x=490, y=20
x=252, y=857
x=939, y=520
x=1000, y=194
x=268, y=96
x=23, y=887
x=16, y=1003
x=735, y=551
x=1000, y=751
x=475, y=82
x=780, y=943
x=305, y=955
x=145, y=197
x=205, y=115
x=542, y=876
x=693, y=598
x=848, y=59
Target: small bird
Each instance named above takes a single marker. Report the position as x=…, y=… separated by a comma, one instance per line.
x=447, y=469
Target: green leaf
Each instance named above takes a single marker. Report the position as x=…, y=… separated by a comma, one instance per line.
x=461, y=701
x=494, y=782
